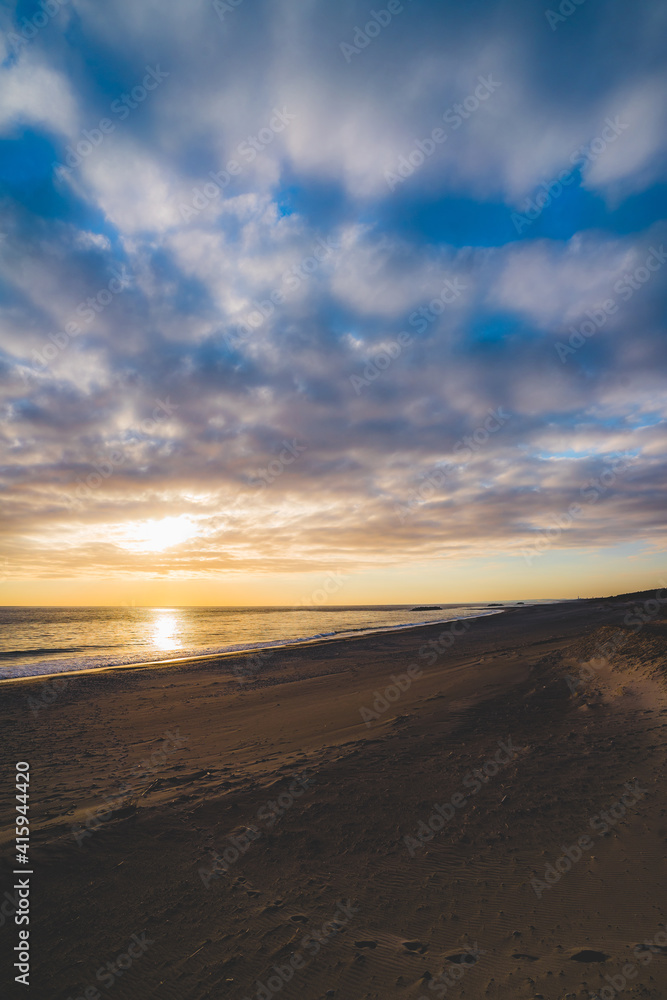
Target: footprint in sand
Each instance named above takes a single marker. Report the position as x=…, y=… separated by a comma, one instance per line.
x=657, y=949
x=462, y=958
x=416, y=947
x=589, y=956
x=365, y=944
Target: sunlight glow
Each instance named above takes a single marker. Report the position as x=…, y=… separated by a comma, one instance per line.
x=156, y=536
x=164, y=629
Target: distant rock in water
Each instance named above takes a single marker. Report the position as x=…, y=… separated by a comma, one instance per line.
x=520, y=602
x=428, y=607
x=495, y=605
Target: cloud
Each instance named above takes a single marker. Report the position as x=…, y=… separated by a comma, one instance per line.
x=236, y=328
x=33, y=92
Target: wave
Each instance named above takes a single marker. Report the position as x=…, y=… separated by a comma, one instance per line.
x=8, y=654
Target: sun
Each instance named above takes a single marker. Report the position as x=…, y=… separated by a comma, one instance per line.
x=156, y=536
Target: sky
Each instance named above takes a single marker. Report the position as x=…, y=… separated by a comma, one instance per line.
x=303, y=299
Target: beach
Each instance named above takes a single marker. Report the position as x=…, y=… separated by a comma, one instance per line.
x=472, y=809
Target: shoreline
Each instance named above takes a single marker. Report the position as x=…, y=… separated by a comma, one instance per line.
x=279, y=644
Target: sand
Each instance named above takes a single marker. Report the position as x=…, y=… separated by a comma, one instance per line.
x=218, y=830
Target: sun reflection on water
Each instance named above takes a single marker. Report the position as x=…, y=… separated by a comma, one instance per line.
x=165, y=632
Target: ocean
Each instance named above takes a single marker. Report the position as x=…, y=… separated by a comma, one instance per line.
x=37, y=641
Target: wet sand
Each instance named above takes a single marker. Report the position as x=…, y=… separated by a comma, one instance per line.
x=235, y=828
